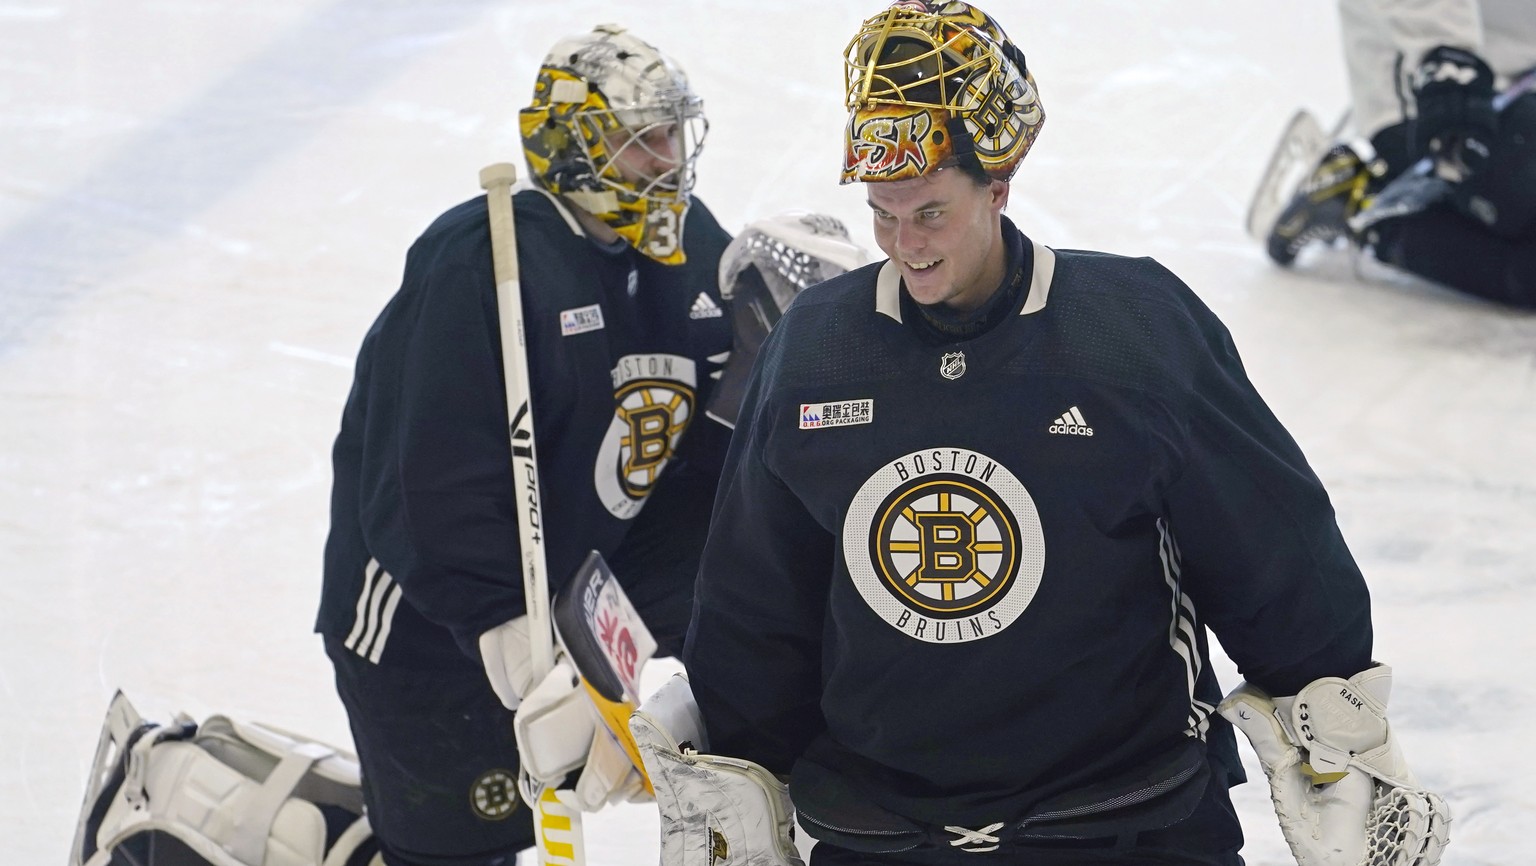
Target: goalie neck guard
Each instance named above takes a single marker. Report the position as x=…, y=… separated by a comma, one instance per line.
x=932, y=85
x=615, y=128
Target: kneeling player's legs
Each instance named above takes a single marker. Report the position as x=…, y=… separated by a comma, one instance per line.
x=439, y=763
x=1446, y=247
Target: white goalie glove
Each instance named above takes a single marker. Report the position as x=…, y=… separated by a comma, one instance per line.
x=576, y=717
x=714, y=809
x=1340, y=785
x=761, y=272
x=557, y=726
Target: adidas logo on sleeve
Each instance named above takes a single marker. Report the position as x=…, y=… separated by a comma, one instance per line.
x=1072, y=423
x=704, y=307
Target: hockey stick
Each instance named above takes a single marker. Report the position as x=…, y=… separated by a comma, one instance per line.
x=553, y=818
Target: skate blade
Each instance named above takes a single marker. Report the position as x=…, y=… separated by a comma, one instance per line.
x=1301, y=145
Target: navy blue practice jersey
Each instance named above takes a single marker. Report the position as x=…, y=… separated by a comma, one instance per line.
x=979, y=574
x=423, y=549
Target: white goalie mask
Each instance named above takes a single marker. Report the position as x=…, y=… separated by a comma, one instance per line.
x=615, y=128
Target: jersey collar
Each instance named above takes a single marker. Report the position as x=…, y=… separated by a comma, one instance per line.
x=888, y=284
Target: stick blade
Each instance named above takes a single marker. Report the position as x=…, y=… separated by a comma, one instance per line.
x=1301, y=145
x=608, y=643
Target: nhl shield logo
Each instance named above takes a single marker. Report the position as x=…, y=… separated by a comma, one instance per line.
x=952, y=365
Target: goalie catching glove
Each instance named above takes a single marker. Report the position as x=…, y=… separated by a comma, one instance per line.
x=762, y=270
x=1340, y=785
x=714, y=809
x=574, y=721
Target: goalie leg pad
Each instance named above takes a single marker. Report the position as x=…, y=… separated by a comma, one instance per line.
x=714, y=809
x=224, y=794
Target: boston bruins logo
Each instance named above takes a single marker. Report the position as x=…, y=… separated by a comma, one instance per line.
x=654, y=402
x=494, y=795
x=945, y=545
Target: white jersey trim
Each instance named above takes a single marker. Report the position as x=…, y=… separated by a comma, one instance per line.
x=888, y=291
x=376, y=606
x=1182, y=630
x=1040, y=280
x=888, y=284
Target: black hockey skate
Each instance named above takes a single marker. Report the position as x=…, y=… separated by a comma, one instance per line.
x=1322, y=205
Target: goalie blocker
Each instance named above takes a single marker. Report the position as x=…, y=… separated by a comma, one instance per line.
x=223, y=793
x=572, y=728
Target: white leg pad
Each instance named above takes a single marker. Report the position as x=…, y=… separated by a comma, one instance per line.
x=235, y=794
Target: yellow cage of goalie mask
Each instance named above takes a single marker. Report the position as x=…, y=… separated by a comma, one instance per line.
x=932, y=85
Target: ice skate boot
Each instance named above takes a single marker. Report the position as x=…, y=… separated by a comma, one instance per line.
x=1320, y=209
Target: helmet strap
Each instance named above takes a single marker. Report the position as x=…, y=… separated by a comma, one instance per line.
x=961, y=148
x=1013, y=53
x=595, y=203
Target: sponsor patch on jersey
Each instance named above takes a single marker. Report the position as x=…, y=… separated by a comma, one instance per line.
x=945, y=545
x=1071, y=423
x=581, y=320
x=837, y=413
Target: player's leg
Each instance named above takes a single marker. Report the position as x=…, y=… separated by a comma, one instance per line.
x=439, y=763
x=1503, y=194
x=1444, y=246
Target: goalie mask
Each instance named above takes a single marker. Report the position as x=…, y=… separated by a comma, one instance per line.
x=615, y=129
x=932, y=85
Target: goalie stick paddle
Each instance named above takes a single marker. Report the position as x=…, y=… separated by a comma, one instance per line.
x=557, y=826
x=608, y=643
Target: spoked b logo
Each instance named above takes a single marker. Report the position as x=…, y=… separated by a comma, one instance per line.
x=944, y=545
x=653, y=404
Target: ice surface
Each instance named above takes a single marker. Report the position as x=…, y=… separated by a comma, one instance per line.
x=203, y=204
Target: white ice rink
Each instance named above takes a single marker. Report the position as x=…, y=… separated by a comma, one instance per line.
x=204, y=203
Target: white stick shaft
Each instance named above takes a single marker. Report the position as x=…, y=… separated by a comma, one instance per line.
x=497, y=181
x=557, y=826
